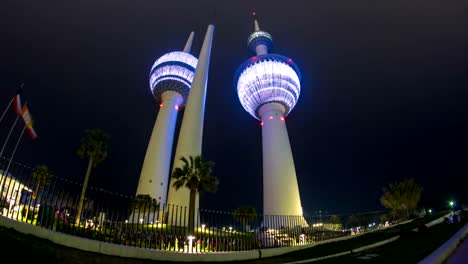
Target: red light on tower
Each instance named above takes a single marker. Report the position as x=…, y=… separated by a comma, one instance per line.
x=282, y=118
x=261, y=123
x=161, y=105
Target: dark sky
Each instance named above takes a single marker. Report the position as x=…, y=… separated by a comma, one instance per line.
x=384, y=91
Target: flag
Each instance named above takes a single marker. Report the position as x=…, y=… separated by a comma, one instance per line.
x=17, y=104
x=28, y=122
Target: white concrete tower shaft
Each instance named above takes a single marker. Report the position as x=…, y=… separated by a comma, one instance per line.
x=191, y=131
x=280, y=188
x=281, y=195
x=154, y=175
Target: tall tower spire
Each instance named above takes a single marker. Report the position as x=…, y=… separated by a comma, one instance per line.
x=268, y=86
x=170, y=79
x=188, y=45
x=191, y=131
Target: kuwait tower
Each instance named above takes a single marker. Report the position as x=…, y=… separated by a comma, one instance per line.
x=268, y=86
x=170, y=80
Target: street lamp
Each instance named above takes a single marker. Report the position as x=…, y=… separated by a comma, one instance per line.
x=452, y=204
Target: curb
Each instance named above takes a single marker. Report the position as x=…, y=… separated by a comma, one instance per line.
x=443, y=252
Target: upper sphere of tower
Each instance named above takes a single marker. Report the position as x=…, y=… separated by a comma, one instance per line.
x=268, y=78
x=173, y=71
x=260, y=38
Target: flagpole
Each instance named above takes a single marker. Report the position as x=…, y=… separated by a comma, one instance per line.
x=9, y=104
x=5, y=172
x=6, y=109
x=9, y=134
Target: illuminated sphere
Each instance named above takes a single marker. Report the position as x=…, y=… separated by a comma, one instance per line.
x=268, y=78
x=173, y=71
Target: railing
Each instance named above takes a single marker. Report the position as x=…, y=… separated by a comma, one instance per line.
x=51, y=202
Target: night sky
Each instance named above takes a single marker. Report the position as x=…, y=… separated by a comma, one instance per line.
x=384, y=92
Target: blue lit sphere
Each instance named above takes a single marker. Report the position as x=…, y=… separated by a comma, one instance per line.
x=173, y=71
x=260, y=38
x=268, y=78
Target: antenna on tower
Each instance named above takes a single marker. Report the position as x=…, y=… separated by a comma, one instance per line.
x=255, y=17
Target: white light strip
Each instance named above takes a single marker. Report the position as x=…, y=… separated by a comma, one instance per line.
x=174, y=70
x=178, y=56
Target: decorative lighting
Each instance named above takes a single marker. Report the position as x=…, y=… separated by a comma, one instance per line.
x=282, y=118
x=190, y=245
x=173, y=71
x=270, y=79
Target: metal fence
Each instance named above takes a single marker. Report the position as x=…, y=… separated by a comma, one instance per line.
x=52, y=203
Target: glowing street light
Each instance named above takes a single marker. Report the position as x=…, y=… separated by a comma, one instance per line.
x=190, y=238
x=430, y=211
x=452, y=204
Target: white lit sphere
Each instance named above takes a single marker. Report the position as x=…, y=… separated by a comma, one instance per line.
x=268, y=78
x=173, y=71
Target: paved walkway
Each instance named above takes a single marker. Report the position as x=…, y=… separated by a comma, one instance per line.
x=461, y=254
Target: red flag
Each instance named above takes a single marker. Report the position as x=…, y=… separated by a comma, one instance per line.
x=28, y=122
x=17, y=104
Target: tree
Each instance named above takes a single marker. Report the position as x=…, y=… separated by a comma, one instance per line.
x=195, y=175
x=93, y=147
x=245, y=215
x=401, y=197
x=335, y=222
x=41, y=177
x=144, y=202
x=353, y=221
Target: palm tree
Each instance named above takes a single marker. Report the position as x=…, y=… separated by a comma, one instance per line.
x=41, y=177
x=195, y=174
x=143, y=205
x=401, y=197
x=245, y=215
x=93, y=147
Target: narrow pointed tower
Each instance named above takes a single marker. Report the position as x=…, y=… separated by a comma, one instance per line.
x=170, y=81
x=191, y=131
x=268, y=86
